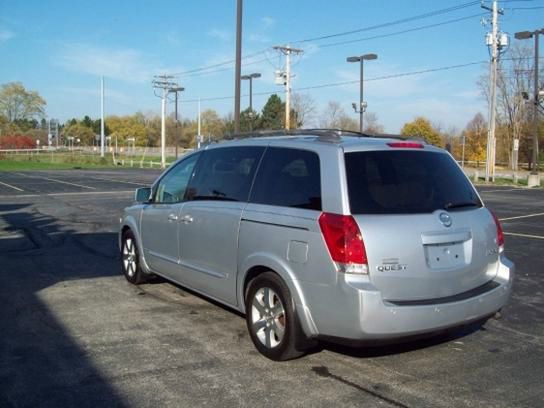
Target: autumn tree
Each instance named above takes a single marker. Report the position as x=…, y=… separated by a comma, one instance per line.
x=475, y=137
x=421, y=127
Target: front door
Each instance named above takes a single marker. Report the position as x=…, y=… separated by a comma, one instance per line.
x=160, y=219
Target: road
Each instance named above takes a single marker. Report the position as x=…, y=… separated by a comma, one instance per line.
x=75, y=333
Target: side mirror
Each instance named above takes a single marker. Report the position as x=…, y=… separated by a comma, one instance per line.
x=142, y=195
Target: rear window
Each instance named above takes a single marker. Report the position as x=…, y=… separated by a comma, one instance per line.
x=405, y=182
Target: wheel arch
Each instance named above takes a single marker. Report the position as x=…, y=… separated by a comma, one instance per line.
x=256, y=264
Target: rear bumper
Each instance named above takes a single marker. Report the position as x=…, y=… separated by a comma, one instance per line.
x=377, y=319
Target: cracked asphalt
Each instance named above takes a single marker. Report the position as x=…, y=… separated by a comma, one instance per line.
x=73, y=332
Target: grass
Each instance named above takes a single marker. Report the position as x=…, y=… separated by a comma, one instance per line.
x=60, y=161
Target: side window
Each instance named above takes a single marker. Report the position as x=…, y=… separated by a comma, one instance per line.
x=171, y=188
x=225, y=174
x=288, y=178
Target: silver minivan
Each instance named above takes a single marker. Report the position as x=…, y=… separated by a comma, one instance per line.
x=322, y=234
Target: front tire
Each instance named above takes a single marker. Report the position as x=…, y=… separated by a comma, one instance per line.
x=271, y=318
x=130, y=259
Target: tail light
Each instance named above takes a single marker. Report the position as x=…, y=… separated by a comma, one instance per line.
x=344, y=242
x=406, y=145
x=500, y=233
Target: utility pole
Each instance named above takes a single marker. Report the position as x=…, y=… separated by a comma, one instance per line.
x=495, y=41
x=163, y=82
x=287, y=51
x=238, y=70
x=102, y=116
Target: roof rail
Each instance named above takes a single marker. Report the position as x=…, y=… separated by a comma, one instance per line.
x=328, y=135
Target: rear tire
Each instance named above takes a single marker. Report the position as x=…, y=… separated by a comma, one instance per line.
x=130, y=259
x=271, y=318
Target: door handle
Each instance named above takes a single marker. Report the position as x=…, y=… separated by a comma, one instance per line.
x=187, y=219
x=173, y=217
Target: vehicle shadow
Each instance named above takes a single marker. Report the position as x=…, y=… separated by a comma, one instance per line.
x=41, y=364
x=400, y=346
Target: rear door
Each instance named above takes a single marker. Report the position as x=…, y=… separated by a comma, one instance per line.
x=210, y=219
x=426, y=232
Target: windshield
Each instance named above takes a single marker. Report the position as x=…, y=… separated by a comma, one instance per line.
x=406, y=182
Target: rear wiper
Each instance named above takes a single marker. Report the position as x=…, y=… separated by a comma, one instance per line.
x=461, y=204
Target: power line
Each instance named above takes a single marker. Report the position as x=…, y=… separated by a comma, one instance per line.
x=390, y=23
x=334, y=44
x=334, y=84
x=382, y=25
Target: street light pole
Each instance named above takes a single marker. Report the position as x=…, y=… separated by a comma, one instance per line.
x=534, y=178
x=362, y=104
x=250, y=78
x=361, y=97
x=175, y=91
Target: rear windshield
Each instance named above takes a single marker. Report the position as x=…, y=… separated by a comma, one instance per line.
x=406, y=182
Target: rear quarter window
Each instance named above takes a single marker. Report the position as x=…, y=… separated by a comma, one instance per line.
x=288, y=178
x=404, y=182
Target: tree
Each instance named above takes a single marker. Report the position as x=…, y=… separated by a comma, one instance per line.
x=16, y=103
x=513, y=117
x=81, y=132
x=422, y=127
x=303, y=109
x=475, y=135
x=273, y=113
x=335, y=117
x=371, y=123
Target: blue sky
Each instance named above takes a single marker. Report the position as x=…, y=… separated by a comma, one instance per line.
x=60, y=49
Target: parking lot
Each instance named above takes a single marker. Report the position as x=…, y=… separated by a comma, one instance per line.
x=75, y=333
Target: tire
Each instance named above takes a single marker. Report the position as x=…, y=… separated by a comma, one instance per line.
x=271, y=318
x=130, y=260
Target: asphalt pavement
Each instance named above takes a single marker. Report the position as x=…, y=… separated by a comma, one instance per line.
x=73, y=332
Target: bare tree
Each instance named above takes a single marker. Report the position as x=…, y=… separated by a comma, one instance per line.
x=305, y=109
x=371, y=123
x=513, y=79
x=334, y=117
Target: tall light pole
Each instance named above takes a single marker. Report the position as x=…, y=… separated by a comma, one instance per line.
x=362, y=103
x=523, y=35
x=251, y=77
x=238, y=70
x=101, y=116
x=175, y=91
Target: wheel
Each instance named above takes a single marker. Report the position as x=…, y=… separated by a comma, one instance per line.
x=131, y=259
x=271, y=318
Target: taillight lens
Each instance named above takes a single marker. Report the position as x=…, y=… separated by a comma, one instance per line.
x=500, y=233
x=344, y=241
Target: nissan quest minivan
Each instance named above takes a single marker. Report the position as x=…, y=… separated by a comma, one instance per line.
x=322, y=234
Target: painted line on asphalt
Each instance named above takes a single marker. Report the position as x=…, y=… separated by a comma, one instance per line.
x=119, y=181
x=57, y=181
x=514, y=234
x=10, y=186
x=67, y=194
x=521, y=216
x=504, y=189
